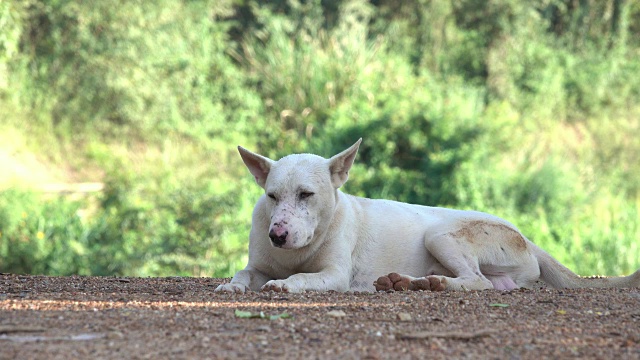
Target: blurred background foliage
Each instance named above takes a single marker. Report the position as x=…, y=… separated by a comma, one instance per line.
x=528, y=110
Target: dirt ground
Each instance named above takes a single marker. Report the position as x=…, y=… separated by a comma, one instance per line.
x=182, y=318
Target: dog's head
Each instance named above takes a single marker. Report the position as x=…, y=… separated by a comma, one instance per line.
x=301, y=192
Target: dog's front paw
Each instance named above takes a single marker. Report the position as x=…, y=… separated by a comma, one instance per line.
x=279, y=286
x=233, y=288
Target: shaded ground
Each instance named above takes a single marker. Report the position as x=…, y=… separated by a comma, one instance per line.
x=181, y=318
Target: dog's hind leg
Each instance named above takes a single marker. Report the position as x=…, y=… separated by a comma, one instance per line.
x=455, y=266
x=455, y=254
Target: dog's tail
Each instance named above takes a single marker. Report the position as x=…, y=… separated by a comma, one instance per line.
x=556, y=275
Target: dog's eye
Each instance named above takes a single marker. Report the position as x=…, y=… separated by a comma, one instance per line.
x=271, y=196
x=305, y=194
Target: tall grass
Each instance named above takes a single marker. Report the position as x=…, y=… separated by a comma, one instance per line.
x=492, y=106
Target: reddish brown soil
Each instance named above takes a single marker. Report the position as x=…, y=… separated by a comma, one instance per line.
x=182, y=318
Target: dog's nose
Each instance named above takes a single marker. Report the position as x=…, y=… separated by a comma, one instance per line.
x=278, y=240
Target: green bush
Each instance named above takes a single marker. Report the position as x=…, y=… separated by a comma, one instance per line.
x=133, y=229
x=136, y=70
x=184, y=230
x=527, y=110
x=42, y=235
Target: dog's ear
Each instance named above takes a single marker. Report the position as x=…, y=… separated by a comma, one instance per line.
x=258, y=165
x=340, y=164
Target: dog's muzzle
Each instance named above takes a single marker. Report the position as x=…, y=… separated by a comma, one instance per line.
x=278, y=240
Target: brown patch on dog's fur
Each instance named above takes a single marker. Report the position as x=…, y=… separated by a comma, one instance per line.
x=476, y=229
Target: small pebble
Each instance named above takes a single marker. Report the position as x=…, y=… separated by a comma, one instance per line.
x=336, y=313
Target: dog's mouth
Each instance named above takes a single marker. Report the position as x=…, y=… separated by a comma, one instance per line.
x=278, y=244
x=289, y=244
x=282, y=243
x=286, y=245
x=279, y=237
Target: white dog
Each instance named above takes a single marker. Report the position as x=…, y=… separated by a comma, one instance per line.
x=308, y=235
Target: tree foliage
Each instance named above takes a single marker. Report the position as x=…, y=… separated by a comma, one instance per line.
x=524, y=109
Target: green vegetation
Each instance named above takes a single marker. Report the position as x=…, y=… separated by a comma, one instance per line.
x=527, y=110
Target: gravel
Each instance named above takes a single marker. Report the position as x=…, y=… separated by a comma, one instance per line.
x=182, y=318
